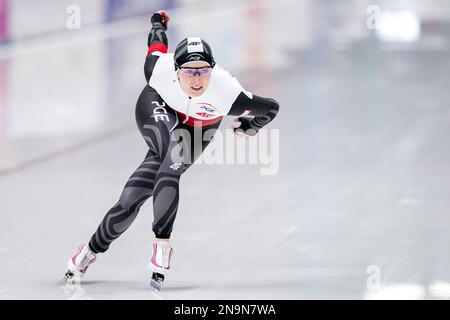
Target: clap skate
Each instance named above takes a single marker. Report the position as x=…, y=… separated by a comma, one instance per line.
x=159, y=264
x=78, y=264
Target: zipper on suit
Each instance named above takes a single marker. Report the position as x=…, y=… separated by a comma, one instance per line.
x=187, y=111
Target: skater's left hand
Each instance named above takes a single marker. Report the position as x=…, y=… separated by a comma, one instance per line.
x=164, y=16
x=241, y=128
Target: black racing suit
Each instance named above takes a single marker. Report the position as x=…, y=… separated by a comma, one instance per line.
x=156, y=176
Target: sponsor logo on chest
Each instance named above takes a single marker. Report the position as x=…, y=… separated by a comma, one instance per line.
x=206, y=110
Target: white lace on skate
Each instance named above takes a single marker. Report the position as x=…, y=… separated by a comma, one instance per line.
x=81, y=260
x=160, y=261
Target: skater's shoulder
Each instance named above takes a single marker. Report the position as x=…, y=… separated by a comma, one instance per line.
x=223, y=78
x=164, y=64
x=163, y=55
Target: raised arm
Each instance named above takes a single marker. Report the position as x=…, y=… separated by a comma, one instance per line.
x=157, y=41
x=264, y=110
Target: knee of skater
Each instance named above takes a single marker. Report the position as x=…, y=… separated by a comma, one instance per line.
x=130, y=200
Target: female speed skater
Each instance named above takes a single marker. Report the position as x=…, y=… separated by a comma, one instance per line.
x=185, y=91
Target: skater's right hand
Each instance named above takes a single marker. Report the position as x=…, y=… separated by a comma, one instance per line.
x=241, y=128
x=161, y=16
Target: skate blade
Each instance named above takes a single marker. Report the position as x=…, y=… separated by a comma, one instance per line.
x=69, y=278
x=64, y=281
x=155, y=285
x=156, y=281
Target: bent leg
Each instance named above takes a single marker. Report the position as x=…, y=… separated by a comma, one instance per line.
x=154, y=120
x=118, y=219
x=180, y=156
x=166, y=192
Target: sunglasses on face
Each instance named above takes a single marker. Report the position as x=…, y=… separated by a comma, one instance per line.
x=191, y=72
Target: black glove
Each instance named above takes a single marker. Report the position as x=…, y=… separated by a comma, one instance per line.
x=246, y=126
x=156, y=18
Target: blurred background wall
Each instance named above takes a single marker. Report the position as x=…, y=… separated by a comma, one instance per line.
x=242, y=32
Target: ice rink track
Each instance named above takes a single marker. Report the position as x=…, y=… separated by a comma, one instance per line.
x=358, y=208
